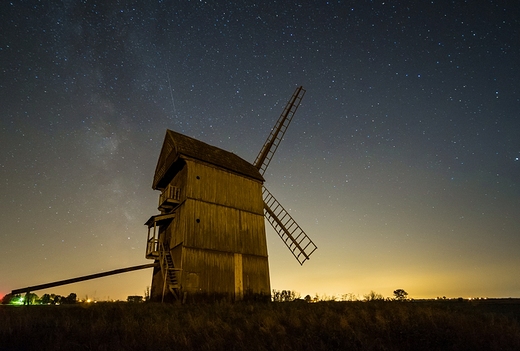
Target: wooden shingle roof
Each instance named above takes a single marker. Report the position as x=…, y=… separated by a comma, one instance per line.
x=178, y=146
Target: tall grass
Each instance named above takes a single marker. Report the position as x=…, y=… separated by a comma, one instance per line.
x=269, y=326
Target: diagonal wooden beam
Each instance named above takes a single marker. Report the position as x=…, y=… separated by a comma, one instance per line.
x=83, y=278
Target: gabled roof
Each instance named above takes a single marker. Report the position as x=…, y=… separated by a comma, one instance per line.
x=178, y=146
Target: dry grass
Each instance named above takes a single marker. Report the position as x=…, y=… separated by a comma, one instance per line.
x=269, y=326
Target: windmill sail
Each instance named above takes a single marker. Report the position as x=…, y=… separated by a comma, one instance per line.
x=273, y=140
x=289, y=231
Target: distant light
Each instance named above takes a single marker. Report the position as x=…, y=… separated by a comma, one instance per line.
x=17, y=301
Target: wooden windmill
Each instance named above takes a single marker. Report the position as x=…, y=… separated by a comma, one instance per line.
x=209, y=240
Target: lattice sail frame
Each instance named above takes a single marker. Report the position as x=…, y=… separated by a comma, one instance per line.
x=275, y=137
x=298, y=242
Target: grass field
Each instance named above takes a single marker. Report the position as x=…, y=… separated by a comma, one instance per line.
x=381, y=325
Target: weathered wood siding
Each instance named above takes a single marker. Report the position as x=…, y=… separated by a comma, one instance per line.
x=208, y=272
x=214, y=227
x=222, y=211
x=211, y=184
x=255, y=275
x=219, y=211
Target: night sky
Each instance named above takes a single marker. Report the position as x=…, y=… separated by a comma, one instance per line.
x=402, y=162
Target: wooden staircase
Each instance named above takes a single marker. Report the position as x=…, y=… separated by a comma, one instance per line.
x=170, y=273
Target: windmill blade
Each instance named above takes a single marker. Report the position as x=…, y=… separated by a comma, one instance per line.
x=277, y=133
x=289, y=231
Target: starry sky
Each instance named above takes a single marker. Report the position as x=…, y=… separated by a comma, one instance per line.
x=402, y=162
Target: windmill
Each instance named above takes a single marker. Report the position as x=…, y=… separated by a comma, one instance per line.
x=209, y=240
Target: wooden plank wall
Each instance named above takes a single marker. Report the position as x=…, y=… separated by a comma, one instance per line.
x=214, y=227
x=213, y=272
x=223, y=211
x=256, y=275
x=208, y=272
x=210, y=184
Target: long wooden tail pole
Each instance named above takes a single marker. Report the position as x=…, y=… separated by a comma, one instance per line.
x=83, y=278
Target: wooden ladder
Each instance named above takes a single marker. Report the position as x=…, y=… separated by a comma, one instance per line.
x=169, y=273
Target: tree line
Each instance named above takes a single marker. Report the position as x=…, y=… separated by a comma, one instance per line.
x=277, y=296
x=33, y=299
x=289, y=295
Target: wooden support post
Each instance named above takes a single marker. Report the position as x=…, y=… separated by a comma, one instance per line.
x=239, y=277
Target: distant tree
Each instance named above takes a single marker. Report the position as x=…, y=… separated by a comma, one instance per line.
x=56, y=299
x=284, y=295
x=46, y=299
x=400, y=295
x=308, y=298
x=6, y=300
x=349, y=297
x=276, y=295
x=147, y=294
x=134, y=299
x=373, y=296
x=296, y=295
x=71, y=299
x=288, y=295
x=30, y=298
x=326, y=297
